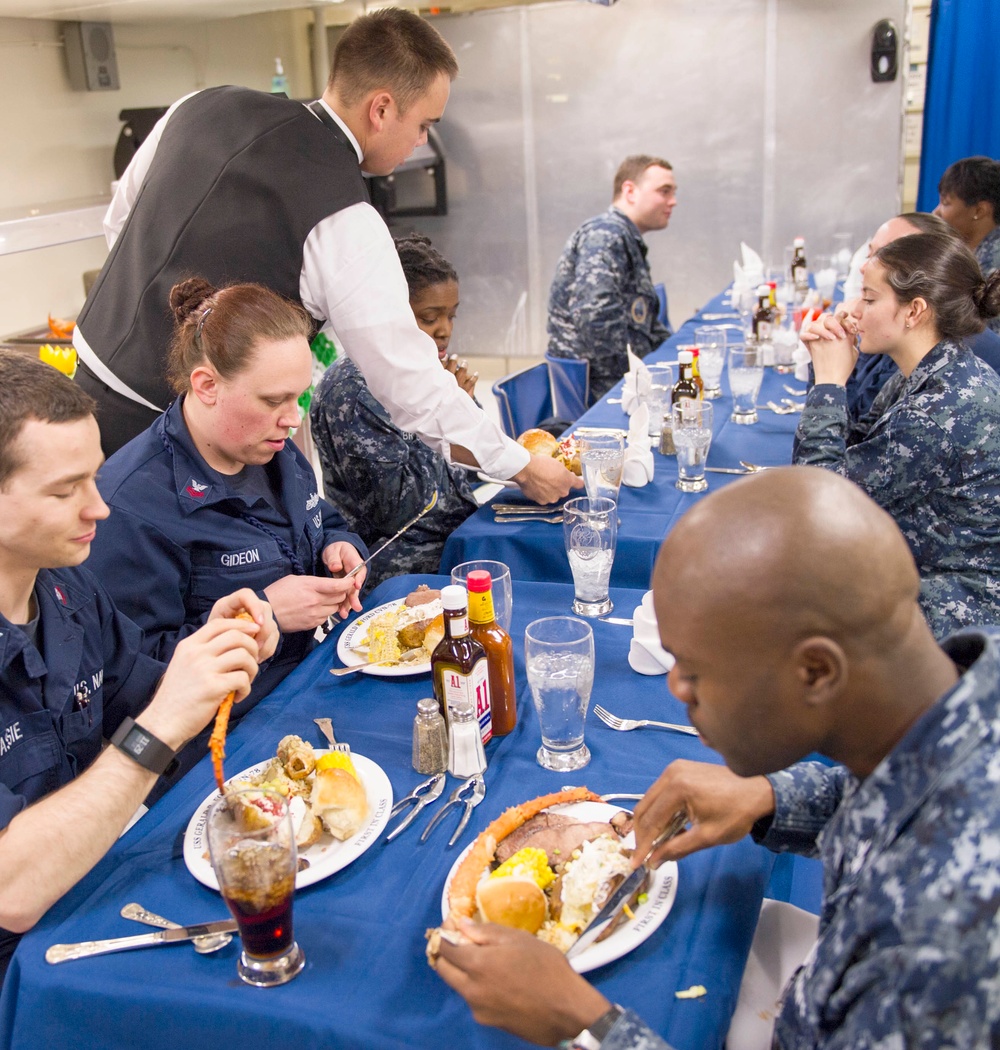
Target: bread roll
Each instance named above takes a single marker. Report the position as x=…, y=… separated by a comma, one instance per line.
x=512, y=901
x=539, y=442
x=340, y=802
x=434, y=633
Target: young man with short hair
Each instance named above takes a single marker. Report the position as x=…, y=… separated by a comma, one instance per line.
x=72, y=674
x=602, y=300
x=243, y=186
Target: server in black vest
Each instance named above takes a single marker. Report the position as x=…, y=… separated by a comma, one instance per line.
x=238, y=186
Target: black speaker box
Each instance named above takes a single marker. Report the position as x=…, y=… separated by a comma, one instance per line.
x=90, y=56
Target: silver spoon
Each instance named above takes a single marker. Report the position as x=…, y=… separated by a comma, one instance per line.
x=202, y=945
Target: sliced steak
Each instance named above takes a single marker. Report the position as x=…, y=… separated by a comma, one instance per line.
x=518, y=839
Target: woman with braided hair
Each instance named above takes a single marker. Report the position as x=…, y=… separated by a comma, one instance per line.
x=378, y=475
x=214, y=496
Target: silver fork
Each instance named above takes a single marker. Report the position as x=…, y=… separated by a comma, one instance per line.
x=506, y=519
x=752, y=468
x=625, y=724
x=326, y=728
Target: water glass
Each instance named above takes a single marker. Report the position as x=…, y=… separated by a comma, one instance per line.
x=711, y=342
x=590, y=531
x=692, y=422
x=503, y=594
x=602, y=457
x=746, y=372
x=559, y=655
x=658, y=400
x=256, y=867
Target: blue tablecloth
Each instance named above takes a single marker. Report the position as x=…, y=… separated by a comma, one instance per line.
x=366, y=982
x=534, y=551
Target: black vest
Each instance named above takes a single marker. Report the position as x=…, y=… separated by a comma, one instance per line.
x=239, y=179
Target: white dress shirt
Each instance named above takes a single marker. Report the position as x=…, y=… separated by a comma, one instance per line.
x=353, y=281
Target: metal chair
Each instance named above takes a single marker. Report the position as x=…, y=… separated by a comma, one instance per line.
x=570, y=386
x=661, y=294
x=525, y=399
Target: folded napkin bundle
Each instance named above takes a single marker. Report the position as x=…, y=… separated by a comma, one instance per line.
x=645, y=654
x=852, y=283
x=639, y=466
x=637, y=384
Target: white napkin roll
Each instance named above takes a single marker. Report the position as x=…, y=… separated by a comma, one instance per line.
x=646, y=655
x=852, y=282
x=638, y=382
x=638, y=467
x=753, y=265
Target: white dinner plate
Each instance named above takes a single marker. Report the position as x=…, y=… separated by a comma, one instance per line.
x=326, y=855
x=648, y=915
x=358, y=631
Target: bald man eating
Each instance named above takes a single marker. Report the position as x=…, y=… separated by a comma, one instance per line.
x=789, y=600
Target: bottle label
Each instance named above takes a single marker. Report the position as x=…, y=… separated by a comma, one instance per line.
x=470, y=692
x=458, y=626
x=481, y=607
x=765, y=331
x=800, y=275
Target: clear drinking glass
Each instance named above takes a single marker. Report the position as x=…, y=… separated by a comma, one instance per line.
x=590, y=530
x=503, y=594
x=692, y=421
x=559, y=654
x=711, y=342
x=658, y=400
x=256, y=867
x=746, y=372
x=602, y=457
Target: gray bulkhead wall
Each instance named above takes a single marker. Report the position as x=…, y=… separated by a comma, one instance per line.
x=765, y=108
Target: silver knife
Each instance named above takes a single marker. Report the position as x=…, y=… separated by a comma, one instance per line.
x=617, y=901
x=728, y=470
x=524, y=508
x=84, y=949
x=620, y=620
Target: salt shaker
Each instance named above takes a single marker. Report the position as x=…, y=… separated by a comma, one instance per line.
x=466, y=756
x=430, y=738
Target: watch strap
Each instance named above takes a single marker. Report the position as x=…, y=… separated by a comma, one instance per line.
x=593, y=1035
x=143, y=748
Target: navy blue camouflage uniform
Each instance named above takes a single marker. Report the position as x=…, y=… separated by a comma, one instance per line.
x=380, y=476
x=181, y=536
x=61, y=697
x=602, y=300
x=928, y=452
x=988, y=256
x=906, y=955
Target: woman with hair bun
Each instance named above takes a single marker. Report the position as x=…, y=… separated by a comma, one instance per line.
x=928, y=451
x=379, y=475
x=214, y=496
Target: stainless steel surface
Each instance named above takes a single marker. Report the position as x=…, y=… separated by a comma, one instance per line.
x=202, y=945
x=620, y=620
x=519, y=508
x=512, y=520
x=326, y=728
x=791, y=390
x=728, y=470
x=83, y=949
x=625, y=724
x=469, y=793
x=427, y=791
x=778, y=410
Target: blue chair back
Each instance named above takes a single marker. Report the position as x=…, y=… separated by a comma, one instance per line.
x=661, y=294
x=570, y=386
x=525, y=399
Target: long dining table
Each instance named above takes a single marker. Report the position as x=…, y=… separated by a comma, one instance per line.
x=366, y=982
x=534, y=550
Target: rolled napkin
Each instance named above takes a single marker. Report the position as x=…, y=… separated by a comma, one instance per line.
x=637, y=384
x=638, y=467
x=852, y=282
x=645, y=654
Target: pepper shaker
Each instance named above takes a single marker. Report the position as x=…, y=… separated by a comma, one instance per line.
x=430, y=738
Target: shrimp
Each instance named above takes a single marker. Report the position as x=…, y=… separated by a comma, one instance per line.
x=462, y=891
x=217, y=741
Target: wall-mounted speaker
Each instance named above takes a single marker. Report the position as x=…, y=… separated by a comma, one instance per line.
x=90, y=56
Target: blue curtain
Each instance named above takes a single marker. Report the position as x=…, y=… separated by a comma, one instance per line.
x=962, y=105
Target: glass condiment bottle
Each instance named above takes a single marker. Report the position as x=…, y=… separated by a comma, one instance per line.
x=430, y=738
x=499, y=651
x=458, y=665
x=696, y=370
x=763, y=325
x=800, y=271
x=685, y=385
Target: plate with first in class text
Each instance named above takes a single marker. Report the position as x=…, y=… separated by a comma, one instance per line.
x=352, y=651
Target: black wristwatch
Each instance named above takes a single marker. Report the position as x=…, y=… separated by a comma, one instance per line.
x=142, y=747
x=593, y=1035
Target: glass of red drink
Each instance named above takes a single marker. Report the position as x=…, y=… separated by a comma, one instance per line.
x=252, y=846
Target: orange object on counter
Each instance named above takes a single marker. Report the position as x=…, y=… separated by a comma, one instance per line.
x=61, y=329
